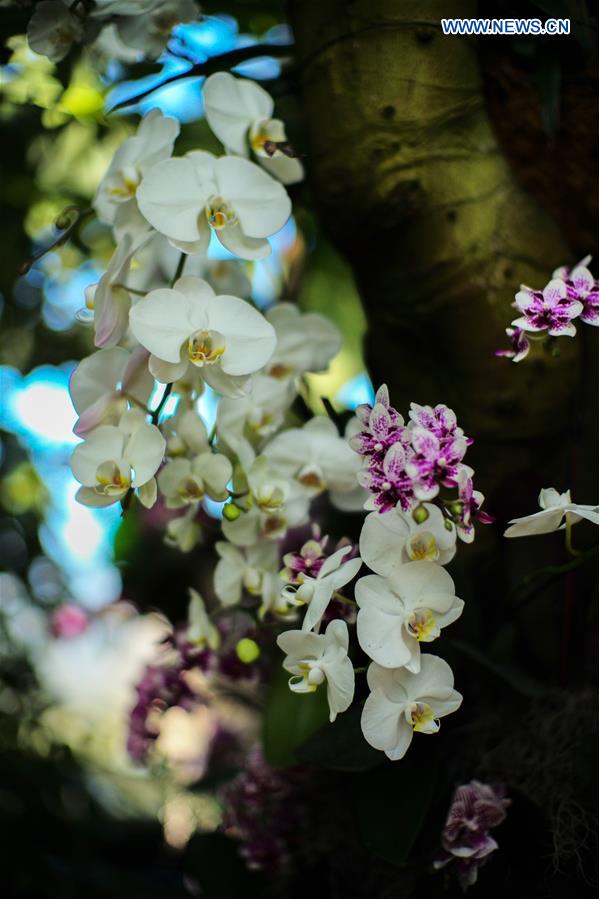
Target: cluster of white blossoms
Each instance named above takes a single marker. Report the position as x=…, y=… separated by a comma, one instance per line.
x=169, y=320
x=406, y=601
x=125, y=28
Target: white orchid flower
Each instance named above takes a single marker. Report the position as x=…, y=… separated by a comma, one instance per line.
x=109, y=299
x=186, y=197
x=306, y=342
x=274, y=601
x=183, y=482
x=243, y=569
x=184, y=532
x=402, y=703
x=390, y=539
x=273, y=505
x=103, y=383
x=318, y=459
x=244, y=423
x=185, y=433
x=117, y=192
x=400, y=612
x=150, y=31
x=313, y=658
x=223, y=336
x=114, y=459
x=239, y=113
x=224, y=276
x=161, y=259
x=53, y=28
x=554, y=508
x=200, y=629
x=122, y=7
x=318, y=591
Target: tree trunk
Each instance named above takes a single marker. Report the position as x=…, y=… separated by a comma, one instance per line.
x=413, y=188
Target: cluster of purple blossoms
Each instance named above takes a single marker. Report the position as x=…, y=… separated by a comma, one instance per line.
x=166, y=684
x=571, y=294
x=264, y=812
x=407, y=464
x=162, y=687
x=467, y=843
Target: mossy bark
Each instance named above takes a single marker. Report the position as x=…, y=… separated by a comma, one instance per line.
x=412, y=187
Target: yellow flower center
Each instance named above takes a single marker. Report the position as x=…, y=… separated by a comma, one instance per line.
x=422, y=547
x=421, y=624
x=219, y=214
x=309, y=679
x=269, y=498
x=261, y=422
x=191, y=491
x=280, y=371
x=206, y=347
x=312, y=479
x=110, y=480
x=273, y=527
x=125, y=183
x=421, y=715
x=266, y=130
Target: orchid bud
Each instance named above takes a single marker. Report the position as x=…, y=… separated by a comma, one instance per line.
x=247, y=651
x=455, y=508
x=231, y=512
x=420, y=514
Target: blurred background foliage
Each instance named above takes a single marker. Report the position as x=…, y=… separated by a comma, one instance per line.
x=77, y=817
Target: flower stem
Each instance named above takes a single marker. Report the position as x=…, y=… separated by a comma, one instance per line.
x=126, y=501
x=160, y=406
x=179, y=269
x=66, y=231
x=222, y=62
x=552, y=572
x=569, y=547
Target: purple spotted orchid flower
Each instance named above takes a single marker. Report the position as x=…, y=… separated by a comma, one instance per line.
x=467, y=844
x=551, y=309
x=307, y=561
x=435, y=462
x=467, y=508
x=520, y=345
x=440, y=421
x=405, y=465
x=382, y=426
x=582, y=287
x=263, y=810
x=389, y=481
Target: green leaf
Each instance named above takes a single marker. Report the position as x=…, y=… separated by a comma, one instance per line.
x=289, y=719
x=126, y=538
x=340, y=746
x=392, y=801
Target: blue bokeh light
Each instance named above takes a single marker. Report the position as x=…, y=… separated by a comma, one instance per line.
x=355, y=392
x=64, y=289
x=38, y=410
x=190, y=44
